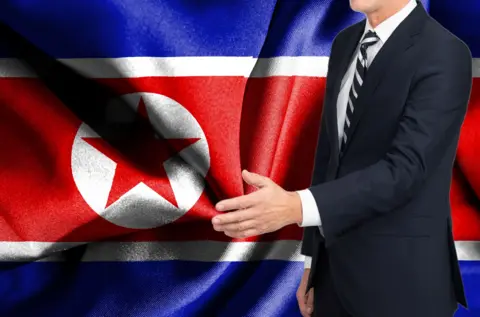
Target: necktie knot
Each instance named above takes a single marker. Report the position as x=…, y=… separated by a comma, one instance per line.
x=370, y=38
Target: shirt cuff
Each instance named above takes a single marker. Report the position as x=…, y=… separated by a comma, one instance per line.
x=311, y=216
x=308, y=262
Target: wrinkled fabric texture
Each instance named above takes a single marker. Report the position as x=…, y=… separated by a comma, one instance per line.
x=61, y=65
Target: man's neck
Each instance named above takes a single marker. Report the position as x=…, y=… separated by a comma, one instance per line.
x=383, y=13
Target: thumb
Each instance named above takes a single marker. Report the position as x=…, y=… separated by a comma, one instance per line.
x=254, y=179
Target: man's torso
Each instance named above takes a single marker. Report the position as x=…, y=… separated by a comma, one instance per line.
x=408, y=254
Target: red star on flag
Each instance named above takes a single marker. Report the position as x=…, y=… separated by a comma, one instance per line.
x=139, y=156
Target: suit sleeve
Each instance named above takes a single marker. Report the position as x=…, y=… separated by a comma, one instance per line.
x=321, y=164
x=431, y=122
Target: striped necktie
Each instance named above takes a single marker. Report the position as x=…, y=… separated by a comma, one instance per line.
x=369, y=39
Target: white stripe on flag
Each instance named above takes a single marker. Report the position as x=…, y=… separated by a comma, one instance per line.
x=286, y=250
x=128, y=67
x=210, y=251
x=311, y=66
x=468, y=250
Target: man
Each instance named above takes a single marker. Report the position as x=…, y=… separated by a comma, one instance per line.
x=378, y=234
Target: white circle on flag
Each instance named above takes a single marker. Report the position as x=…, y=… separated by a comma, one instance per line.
x=142, y=207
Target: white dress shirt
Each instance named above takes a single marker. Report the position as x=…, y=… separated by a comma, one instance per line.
x=311, y=214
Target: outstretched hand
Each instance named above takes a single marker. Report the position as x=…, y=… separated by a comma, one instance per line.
x=265, y=210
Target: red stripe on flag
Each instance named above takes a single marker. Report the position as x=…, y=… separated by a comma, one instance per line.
x=279, y=130
x=465, y=194
x=274, y=133
x=40, y=201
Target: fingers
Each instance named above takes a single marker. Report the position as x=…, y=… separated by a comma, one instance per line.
x=246, y=201
x=245, y=219
x=236, y=226
x=302, y=303
x=254, y=179
x=307, y=304
x=304, y=298
x=243, y=234
x=309, y=301
x=241, y=229
x=303, y=308
x=240, y=202
x=233, y=218
x=249, y=200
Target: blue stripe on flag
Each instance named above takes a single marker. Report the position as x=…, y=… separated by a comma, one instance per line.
x=121, y=28
x=307, y=28
x=471, y=281
x=169, y=288
x=462, y=18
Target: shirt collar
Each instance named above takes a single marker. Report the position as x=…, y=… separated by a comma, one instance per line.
x=386, y=28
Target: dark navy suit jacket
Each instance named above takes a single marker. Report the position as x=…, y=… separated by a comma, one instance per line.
x=384, y=203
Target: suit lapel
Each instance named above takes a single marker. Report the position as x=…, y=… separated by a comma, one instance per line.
x=400, y=40
x=339, y=69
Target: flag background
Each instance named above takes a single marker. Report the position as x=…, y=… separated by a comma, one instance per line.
x=252, y=75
